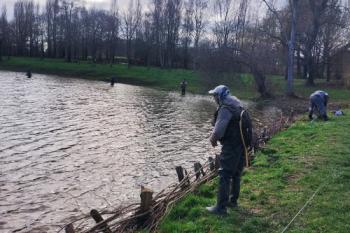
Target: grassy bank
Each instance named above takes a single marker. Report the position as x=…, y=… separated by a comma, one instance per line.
x=162, y=78
x=241, y=85
x=284, y=175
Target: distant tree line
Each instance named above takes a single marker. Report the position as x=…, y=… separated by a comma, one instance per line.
x=217, y=36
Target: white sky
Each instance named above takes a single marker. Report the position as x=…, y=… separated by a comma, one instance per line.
x=258, y=7
x=100, y=4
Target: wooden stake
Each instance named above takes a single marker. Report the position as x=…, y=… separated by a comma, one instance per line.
x=69, y=228
x=197, y=168
x=145, y=207
x=146, y=199
x=180, y=173
x=98, y=218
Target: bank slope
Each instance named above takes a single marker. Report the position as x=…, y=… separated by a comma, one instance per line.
x=284, y=175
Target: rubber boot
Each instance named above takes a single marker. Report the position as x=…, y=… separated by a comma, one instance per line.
x=222, y=198
x=234, y=192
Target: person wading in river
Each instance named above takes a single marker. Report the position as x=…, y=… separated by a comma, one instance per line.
x=319, y=101
x=183, y=86
x=229, y=130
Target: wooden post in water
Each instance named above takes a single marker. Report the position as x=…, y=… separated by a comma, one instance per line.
x=98, y=218
x=180, y=173
x=69, y=228
x=146, y=205
x=146, y=199
x=201, y=169
x=211, y=163
x=188, y=183
x=197, y=169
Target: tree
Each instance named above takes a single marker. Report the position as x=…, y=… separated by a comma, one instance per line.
x=172, y=19
x=224, y=23
x=331, y=34
x=132, y=19
x=187, y=30
x=68, y=8
x=291, y=44
x=113, y=28
x=199, y=8
x=317, y=9
x=3, y=32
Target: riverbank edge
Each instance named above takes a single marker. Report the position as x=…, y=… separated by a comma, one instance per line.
x=161, y=79
x=285, y=173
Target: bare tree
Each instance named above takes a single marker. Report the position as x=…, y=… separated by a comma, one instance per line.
x=3, y=31
x=49, y=24
x=68, y=8
x=317, y=9
x=187, y=30
x=172, y=19
x=224, y=23
x=336, y=21
x=113, y=29
x=277, y=26
x=241, y=21
x=199, y=9
x=24, y=20
x=291, y=44
x=158, y=31
x=132, y=19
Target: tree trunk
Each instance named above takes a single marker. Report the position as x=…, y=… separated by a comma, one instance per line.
x=298, y=63
x=328, y=69
x=260, y=82
x=310, y=71
x=291, y=44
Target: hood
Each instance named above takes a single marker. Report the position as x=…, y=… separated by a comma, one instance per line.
x=231, y=101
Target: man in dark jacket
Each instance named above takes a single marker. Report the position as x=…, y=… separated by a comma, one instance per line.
x=227, y=131
x=183, y=86
x=319, y=101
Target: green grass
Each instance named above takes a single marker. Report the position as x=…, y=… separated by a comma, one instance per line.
x=135, y=75
x=241, y=85
x=283, y=177
x=278, y=86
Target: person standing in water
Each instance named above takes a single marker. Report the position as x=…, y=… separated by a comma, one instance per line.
x=183, y=86
x=113, y=80
x=29, y=74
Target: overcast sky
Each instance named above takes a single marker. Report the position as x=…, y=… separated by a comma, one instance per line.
x=122, y=4
x=101, y=4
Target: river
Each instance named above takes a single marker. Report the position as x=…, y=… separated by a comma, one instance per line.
x=70, y=145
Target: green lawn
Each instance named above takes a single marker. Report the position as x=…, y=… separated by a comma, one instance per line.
x=241, y=85
x=284, y=175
